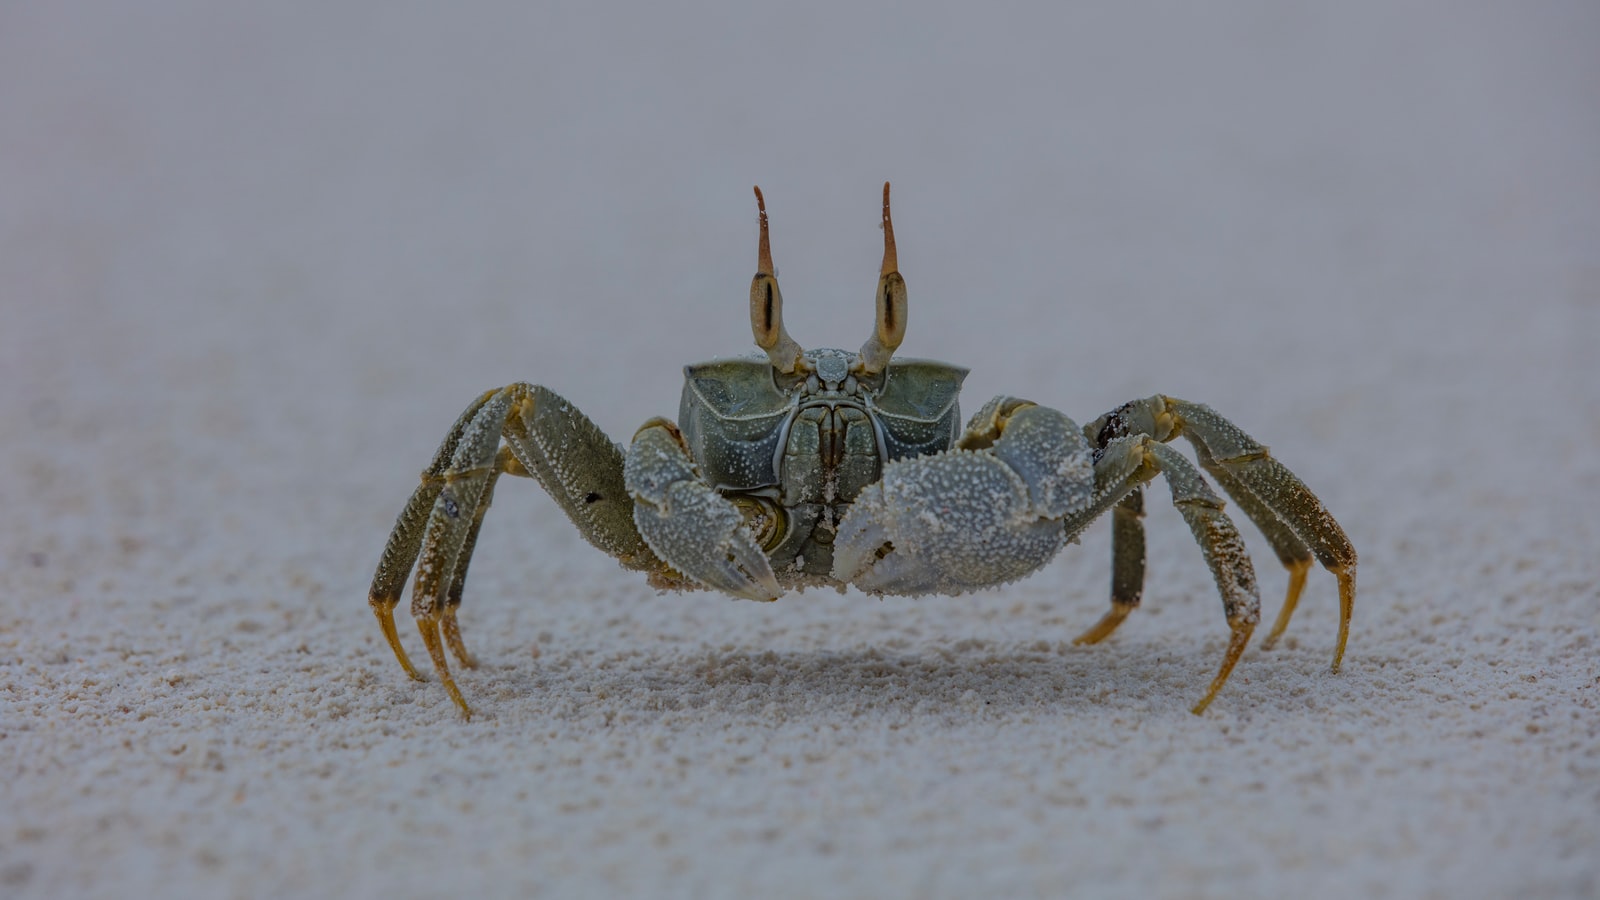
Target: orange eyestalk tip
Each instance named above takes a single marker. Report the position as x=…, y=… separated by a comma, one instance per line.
x=764, y=252
x=891, y=262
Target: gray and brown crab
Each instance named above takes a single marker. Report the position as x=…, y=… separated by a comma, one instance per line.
x=826, y=467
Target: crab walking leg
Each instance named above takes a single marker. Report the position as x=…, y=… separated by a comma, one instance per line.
x=1224, y=552
x=1283, y=493
x=546, y=439
x=1127, y=566
x=468, y=482
x=695, y=530
x=1290, y=550
x=1280, y=491
x=504, y=462
x=1252, y=471
x=400, y=553
x=1130, y=461
x=582, y=470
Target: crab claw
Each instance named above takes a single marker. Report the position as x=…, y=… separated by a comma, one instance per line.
x=692, y=528
x=948, y=523
x=984, y=514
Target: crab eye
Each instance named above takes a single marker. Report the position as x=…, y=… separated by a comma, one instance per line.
x=766, y=305
x=890, y=328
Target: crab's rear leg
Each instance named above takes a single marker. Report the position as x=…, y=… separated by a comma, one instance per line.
x=545, y=438
x=1267, y=481
x=1295, y=523
x=1292, y=552
x=1127, y=566
x=1129, y=462
x=1128, y=559
x=405, y=541
x=505, y=463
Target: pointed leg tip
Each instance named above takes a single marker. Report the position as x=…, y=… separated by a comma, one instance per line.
x=1236, y=646
x=1216, y=687
x=411, y=671
x=384, y=610
x=1108, y=623
x=1298, y=571
x=1347, y=603
x=453, y=640
x=431, y=637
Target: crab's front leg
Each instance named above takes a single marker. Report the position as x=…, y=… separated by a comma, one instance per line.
x=695, y=530
x=520, y=429
x=1295, y=523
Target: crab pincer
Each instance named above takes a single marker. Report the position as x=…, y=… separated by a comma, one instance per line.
x=685, y=521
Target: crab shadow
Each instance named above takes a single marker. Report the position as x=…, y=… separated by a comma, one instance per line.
x=959, y=679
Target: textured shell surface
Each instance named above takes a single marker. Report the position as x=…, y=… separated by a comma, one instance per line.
x=736, y=413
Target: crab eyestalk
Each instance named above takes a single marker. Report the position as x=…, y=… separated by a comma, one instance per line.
x=890, y=328
x=766, y=307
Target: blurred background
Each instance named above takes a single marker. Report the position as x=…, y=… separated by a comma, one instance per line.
x=313, y=202
x=309, y=233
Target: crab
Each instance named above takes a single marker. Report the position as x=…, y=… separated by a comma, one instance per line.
x=806, y=468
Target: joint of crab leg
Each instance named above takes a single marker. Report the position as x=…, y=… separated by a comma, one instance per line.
x=890, y=328
x=766, y=306
x=990, y=421
x=1292, y=518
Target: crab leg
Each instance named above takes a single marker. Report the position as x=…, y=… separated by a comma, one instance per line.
x=1280, y=491
x=1224, y=552
x=1125, y=464
x=1290, y=550
x=457, y=512
x=1127, y=566
x=400, y=553
x=1128, y=462
x=504, y=462
x=1293, y=520
x=545, y=438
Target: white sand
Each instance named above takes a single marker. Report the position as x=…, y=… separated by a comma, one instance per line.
x=252, y=264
